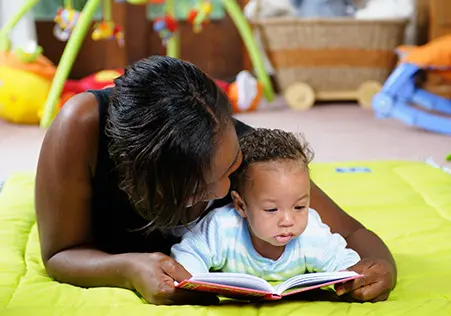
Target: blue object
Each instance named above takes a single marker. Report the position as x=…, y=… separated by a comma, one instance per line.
x=400, y=92
x=323, y=8
x=353, y=170
x=159, y=26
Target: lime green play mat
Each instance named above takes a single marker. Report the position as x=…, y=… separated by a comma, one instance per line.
x=407, y=203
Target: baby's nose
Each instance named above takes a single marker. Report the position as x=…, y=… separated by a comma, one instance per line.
x=286, y=219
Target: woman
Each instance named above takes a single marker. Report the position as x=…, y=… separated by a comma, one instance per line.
x=120, y=170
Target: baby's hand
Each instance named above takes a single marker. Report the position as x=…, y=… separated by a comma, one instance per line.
x=378, y=281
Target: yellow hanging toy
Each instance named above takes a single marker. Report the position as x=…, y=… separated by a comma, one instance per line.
x=107, y=29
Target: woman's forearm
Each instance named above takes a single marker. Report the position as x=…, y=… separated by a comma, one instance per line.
x=88, y=268
x=366, y=243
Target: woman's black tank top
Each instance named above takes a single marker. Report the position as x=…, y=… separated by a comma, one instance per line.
x=116, y=227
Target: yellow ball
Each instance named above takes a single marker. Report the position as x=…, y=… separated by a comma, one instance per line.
x=22, y=95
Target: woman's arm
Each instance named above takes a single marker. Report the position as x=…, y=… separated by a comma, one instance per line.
x=63, y=195
x=366, y=243
x=377, y=262
x=63, y=210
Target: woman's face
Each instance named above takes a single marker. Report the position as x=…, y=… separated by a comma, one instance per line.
x=226, y=160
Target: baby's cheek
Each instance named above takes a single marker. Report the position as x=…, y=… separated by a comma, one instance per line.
x=258, y=227
x=303, y=221
x=268, y=229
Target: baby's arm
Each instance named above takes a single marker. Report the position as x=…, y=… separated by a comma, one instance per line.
x=200, y=248
x=325, y=251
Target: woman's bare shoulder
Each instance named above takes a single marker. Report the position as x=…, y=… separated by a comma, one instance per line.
x=75, y=130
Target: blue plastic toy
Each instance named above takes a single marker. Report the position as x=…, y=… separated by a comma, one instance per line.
x=401, y=98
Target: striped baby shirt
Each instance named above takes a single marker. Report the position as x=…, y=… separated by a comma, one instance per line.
x=221, y=242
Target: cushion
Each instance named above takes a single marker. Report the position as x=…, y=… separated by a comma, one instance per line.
x=407, y=203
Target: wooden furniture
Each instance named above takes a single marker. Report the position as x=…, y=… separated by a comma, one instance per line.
x=217, y=50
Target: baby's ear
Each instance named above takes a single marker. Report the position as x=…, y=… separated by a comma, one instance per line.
x=238, y=203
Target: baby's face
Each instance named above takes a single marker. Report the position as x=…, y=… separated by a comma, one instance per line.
x=277, y=198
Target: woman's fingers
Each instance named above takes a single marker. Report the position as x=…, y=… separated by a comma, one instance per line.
x=174, y=269
x=375, y=285
x=372, y=292
x=167, y=293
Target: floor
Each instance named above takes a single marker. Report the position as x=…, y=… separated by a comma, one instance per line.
x=337, y=132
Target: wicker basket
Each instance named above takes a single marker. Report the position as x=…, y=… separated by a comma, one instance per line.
x=333, y=59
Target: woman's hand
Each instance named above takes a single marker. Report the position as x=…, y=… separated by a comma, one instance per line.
x=379, y=279
x=153, y=276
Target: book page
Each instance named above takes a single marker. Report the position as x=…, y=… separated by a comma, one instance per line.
x=234, y=279
x=312, y=279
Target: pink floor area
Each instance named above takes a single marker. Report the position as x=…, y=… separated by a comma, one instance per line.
x=337, y=132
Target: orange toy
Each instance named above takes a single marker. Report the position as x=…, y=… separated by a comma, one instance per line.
x=245, y=93
x=434, y=56
x=25, y=79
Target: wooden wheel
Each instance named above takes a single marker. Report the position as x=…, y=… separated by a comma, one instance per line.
x=300, y=96
x=366, y=92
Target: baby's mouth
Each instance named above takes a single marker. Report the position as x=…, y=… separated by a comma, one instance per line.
x=283, y=238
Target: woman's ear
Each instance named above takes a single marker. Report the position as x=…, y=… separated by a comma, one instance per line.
x=238, y=203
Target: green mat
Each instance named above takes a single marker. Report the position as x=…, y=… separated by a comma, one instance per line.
x=407, y=203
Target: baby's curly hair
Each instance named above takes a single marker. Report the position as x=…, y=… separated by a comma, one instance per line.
x=265, y=145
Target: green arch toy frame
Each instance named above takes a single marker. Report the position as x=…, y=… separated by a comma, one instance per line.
x=173, y=48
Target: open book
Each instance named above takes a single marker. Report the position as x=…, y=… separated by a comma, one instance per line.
x=239, y=285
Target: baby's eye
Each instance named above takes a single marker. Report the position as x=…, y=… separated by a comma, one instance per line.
x=271, y=210
x=299, y=208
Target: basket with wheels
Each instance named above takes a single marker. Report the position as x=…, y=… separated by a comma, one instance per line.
x=330, y=59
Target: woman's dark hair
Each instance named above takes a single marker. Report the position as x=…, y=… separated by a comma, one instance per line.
x=164, y=119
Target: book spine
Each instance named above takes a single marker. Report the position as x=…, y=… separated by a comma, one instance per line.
x=272, y=297
x=229, y=291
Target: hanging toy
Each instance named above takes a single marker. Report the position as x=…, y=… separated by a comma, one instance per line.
x=107, y=29
x=165, y=26
x=199, y=18
x=65, y=21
